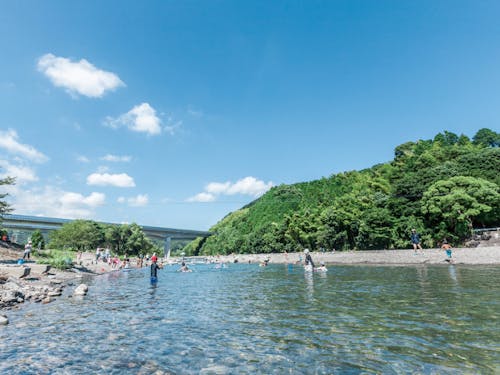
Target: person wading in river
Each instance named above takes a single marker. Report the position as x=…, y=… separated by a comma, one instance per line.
x=154, y=269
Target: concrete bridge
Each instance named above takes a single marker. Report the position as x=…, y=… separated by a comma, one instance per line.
x=47, y=224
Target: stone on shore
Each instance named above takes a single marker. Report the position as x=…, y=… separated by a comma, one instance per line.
x=4, y=320
x=47, y=300
x=81, y=290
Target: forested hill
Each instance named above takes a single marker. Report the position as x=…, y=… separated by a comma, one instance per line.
x=442, y=187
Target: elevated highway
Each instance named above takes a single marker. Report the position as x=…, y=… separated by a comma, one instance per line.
x=47, y=224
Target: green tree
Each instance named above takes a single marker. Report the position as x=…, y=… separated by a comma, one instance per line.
x=137, y=242
x=80, y=235
x=4, y=206
x=116, y=237
x=38, y=240
x=487, y=137
x=459, y=203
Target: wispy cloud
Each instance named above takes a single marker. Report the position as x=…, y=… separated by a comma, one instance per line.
x=116, y=158
x=142, y=118
x=202, y=197
x=80, y=77
x=82, y=159
x=9, y=140
x=140, y=200
x=21, y=173
x=106, y=179
x=245, y=186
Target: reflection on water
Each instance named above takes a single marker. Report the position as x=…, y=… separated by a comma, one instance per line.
x=247, y=319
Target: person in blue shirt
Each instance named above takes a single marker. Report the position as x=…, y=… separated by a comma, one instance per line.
x=415, y=240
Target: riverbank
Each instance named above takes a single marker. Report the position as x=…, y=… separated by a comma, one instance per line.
x=40, y=283
x=469, y=256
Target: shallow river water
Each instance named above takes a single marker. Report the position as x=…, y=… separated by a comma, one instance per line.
x=246, y=319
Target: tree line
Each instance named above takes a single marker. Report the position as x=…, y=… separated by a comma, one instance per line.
x=443, y=187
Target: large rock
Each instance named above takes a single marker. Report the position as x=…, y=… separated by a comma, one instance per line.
x=81, y=290
x=12, y=296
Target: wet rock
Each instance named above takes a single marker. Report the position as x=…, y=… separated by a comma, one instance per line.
x=11, y=296
x=81, y=290
x=4, y=320
x=54, y=293
x=47, y=300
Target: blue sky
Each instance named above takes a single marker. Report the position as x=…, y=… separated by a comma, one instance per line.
x=175, y=113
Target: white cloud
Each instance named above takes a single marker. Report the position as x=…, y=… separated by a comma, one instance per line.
x=79, y=77
x=142, y=118
x=9, y=141
x=76, y=199
x=202, y=197
x=245, y=186
x=249, y=186
x=116, y=158
x=217, y=187
x=22, y=174
x=54, y=202
x=104, y=179
x=140, y=200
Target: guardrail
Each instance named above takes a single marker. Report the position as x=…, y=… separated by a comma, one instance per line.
x=486, y=229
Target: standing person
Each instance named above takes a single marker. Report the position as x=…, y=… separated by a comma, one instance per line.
x=154, y=270
x=27, y=250
x=447, y=248
x=415, y=240
x=308, y=261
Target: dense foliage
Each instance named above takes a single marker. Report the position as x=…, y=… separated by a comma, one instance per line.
x=442, y=187
x=37, y=240
x=87, y=235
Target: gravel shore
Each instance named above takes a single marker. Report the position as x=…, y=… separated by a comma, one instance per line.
x=470, y=256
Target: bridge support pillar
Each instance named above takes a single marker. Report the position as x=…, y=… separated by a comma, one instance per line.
x=167, y=247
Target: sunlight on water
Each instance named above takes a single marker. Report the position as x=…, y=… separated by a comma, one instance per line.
x=277, y=319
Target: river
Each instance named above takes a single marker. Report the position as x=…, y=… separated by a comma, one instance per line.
x=246, y=319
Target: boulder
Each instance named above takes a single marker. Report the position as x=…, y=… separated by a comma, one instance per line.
x=3, y=320
x=81, y=290
x=12, y=295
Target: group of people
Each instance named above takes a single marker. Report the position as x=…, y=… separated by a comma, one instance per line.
x=416, y=242
x=155, y=267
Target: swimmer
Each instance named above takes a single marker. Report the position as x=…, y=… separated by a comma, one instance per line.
x=322, y=267
x=184, y=268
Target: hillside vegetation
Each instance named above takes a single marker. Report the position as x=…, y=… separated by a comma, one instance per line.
x=443, y=187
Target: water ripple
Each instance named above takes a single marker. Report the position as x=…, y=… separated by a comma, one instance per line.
x=273, y=320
